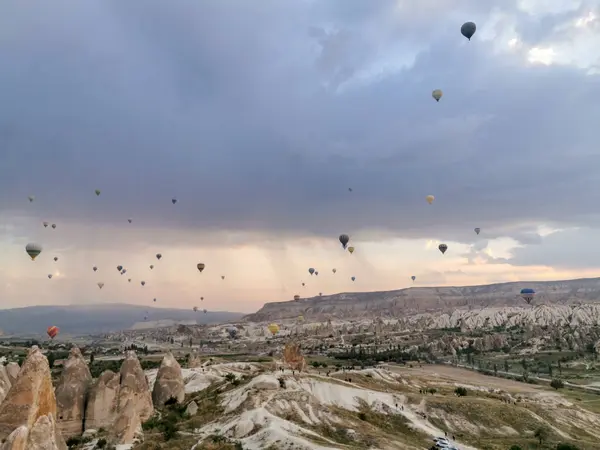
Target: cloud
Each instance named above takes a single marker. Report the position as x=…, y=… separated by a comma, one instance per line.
x=206, y=103
x=259, y=116
x=567, y=249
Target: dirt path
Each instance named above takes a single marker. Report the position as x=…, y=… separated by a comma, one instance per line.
x=457, y=375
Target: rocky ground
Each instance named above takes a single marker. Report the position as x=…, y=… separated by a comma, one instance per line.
x=213, y=403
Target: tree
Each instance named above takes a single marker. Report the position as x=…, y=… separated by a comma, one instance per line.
x=563, y=446
x=495, y=369
x=541, y=434
x=460, y=391
x=515, y=447
x=51, y=359
x=91, y=358
x=506, y=366
x=550, y=370
x=557, y=384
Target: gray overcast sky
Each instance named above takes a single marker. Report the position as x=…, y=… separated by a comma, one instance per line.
x=258, y=117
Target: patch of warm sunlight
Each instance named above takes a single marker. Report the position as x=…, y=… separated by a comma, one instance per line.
x=538, y=55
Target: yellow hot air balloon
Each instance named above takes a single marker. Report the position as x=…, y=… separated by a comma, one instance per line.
x=300, y=318
x=351, y=250
x=437, y=94
x=430, y=199
x=273, y=328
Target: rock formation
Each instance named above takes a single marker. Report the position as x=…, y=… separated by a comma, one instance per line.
x=134, y=385
x=28, y=411
x=12, y=369
x=169, y=382
x=102, y=401
x=5, y=382
x=292, y=356
x=71, y=394
x=120, y=402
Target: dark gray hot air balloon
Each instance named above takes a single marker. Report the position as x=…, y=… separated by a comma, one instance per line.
x=344, y=239
x=443, y=248
x=477, y=230
x=468, y=29
x=311, y=271
x=413, y=278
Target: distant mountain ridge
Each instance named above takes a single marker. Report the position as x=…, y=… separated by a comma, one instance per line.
x=97, y=318
x=419, y=300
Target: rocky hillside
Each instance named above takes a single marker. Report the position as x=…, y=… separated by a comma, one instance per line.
x=419, y=300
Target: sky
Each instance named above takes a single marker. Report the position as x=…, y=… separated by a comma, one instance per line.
x=259, y=116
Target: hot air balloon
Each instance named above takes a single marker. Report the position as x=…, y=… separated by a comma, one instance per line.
x=430, y=199
x=151, y=266
x=54, y=226
x=527, y=295
x=52, y=331
x=119, y=268
x=334, y=270
x=320, y=293
x=350, y=189
x=303, y=284
x=94, y=268
x=50, y=276
x=124, y=271
x=222, y=277
x=344, y=239
x=443, y=248
x=129, y=280
x=316, y=272
x=413, y=278
x=154, y=300
x=97, y=191
x=468, y=29
x=129, y=220
x=143, y=283
x=296, y=297
x=273, y=328
x=437, y=94
x=478, y=230
x=311, y=271
x=351, y=250
x=55, y=258
x=195, y=308
x=100, y=284
x=173, y=200
x=201, y=298
x=200, y=267
x=33, y=250
x=300, y=318
x=158, y=256
x=353, y=278
x=45, y=224
x=204, y=311
x=31, y=198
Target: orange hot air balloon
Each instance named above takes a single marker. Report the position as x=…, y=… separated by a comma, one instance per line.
x=52, y=331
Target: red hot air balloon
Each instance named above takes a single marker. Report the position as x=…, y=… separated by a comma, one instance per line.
x=52, y=331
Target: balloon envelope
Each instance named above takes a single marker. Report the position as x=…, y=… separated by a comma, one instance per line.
x=443, y=248
x=33, y=250
x=52, y=331
x=200, y=267
x=468, y=29
x=344, y=239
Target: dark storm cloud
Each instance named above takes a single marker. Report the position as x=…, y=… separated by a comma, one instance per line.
x=260, y=115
